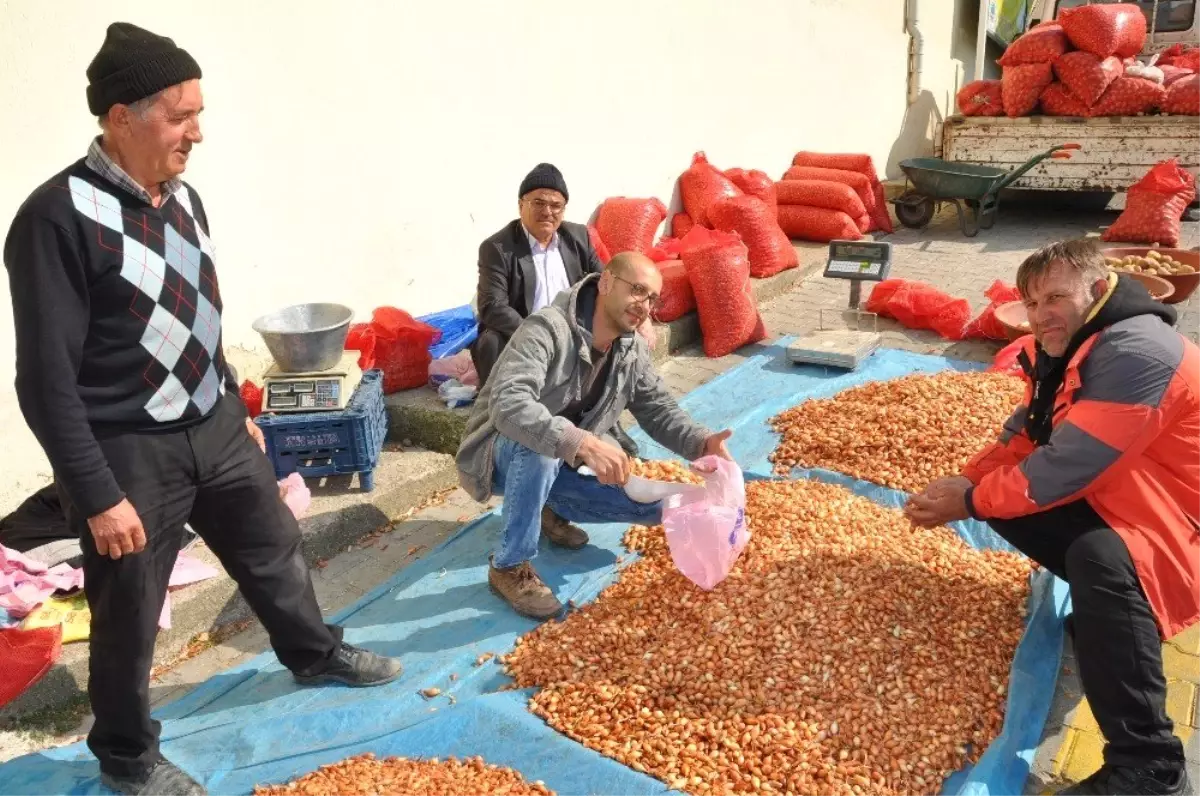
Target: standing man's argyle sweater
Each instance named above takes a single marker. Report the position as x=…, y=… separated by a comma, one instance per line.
x=117, y=317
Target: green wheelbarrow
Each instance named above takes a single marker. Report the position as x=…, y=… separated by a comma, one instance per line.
x=935, y=181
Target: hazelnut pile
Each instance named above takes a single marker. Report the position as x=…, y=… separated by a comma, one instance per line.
x=901, y=433
x=365, y=775
x=847, y=652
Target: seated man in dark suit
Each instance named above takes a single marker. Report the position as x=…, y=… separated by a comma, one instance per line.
x=526, y=264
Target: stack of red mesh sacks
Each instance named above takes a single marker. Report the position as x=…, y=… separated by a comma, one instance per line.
x=1084, y=64
x=825, y=197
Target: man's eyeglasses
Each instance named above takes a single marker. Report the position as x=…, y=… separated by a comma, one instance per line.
x=641, y=293
x=555, y=208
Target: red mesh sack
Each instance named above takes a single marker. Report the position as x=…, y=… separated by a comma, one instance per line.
x=920, y=306
x=701, y=185
x=1183, y=97
x=980, y=98
x=1006, y=359
x=1180, y=57
x=27, y=656
x=402, y=348
x=821, y=193
x=857, y=181
x=1022, y=87
x=1041, y=45
x=1087, y=76
x=817, y=224
x=862, y=164
x=1110, y=29
x=863, y=223
x=718, y=267
x=1154, y=206
x=681, y=224
x=678, y=299
x=754, y=222
x=1130, y=96
x=755, y=183
x=985, y=324
x=251, y=395
x=361, y=338
x=598, y=244
x=1058, y=101
x=1171, y=74
x=629, y=225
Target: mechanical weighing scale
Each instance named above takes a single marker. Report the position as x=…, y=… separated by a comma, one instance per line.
x=856, y=261
x=314, y=391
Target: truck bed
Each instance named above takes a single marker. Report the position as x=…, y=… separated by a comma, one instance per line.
x=1116, y=151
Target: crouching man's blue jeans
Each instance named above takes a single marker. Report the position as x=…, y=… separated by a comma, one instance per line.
x=529, y=481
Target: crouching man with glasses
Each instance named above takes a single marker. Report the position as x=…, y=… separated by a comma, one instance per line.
x=550, y=407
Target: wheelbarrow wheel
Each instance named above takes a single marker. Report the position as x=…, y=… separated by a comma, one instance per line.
x=914, y=210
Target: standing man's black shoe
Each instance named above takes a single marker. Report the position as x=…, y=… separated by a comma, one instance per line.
x=163, y=779
x=355, y=667
x=1169, y=780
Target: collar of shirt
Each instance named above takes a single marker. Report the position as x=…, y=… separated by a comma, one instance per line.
x=99, y=162
x=538, y=248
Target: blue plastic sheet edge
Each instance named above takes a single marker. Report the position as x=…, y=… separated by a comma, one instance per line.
x=459, y=329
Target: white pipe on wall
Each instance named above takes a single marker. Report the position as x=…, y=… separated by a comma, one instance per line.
x=916, y=48
x=981, y=40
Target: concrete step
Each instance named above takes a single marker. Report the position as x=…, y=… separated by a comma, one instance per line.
x=340, y=514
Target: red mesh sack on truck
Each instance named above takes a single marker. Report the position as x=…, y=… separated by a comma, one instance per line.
x=718, y=266
x=985, y=324
x=754, y=222
x=862, y=164
x=755, y=183
x=1022, y=87
x=681, y=224
x=1058, y=101
x=402, y=348
x=1171, y=74
x=980, y=98
x=629, y=225
x=678, y=299
x=1109, y=29
x=821, y=193
x=1041, y=45
x=1154, y=206
x=920, y=306
x=27, y=656
x=598, y=244
x=1183, y=97
x=1087, y=76
x=1130, y=96
x=817, y=224
x=1180, y=57
x=701, y=185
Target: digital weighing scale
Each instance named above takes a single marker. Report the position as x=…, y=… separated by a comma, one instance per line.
x=856, y=261
x=311, y=392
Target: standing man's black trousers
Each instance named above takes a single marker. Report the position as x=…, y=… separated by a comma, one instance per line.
x=213, y=476
x=1117, y=643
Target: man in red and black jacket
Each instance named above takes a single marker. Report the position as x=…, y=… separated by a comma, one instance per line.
x=1097, y=478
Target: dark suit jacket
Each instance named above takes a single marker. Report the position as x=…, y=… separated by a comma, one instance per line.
x=507, y=279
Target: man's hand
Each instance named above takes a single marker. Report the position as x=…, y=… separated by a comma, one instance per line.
x=943, y=501
x=714, y=446
x=256, y=435
x=608, y=462
x=118, y=531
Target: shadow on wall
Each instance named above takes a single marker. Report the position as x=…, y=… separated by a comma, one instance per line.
x=921, y=122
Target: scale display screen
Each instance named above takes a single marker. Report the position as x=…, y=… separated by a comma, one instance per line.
x=867, y=260
x=304, y=395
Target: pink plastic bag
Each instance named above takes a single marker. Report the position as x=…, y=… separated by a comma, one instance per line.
x=706, y=532
x=295, y=494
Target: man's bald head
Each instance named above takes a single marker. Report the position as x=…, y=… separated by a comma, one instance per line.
x=630, y=289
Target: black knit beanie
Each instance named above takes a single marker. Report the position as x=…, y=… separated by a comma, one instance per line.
x=544, y=175
x=134, y=64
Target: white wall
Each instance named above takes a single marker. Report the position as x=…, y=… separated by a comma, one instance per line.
x=359, y=152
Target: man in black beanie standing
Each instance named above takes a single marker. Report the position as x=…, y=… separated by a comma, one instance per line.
x=122, y=379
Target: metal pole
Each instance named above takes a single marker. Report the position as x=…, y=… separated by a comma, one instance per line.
x=855, y=293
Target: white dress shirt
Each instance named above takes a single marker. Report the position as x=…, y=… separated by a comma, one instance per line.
x=551, y=272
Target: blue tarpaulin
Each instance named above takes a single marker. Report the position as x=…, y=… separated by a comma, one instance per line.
x=458, y=327
x=253, y=725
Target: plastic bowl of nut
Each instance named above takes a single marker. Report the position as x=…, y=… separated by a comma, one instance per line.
x=1179, y=267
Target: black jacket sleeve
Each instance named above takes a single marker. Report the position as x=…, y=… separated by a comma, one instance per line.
x=49, y=288
x=494, y=310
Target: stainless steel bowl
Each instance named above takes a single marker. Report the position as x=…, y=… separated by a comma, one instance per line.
x=306, y=337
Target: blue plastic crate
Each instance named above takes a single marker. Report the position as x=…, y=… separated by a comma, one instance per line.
x=317, y=444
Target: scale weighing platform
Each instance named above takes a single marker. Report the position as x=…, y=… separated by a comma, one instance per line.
x=856, y=261
x=311, y=392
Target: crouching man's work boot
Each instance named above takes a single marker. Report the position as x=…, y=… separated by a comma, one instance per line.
x=523, y=589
